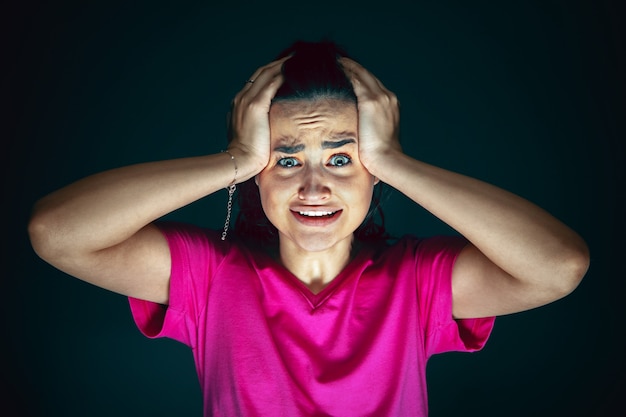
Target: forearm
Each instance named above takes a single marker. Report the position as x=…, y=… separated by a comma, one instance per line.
x=105, y=209
x=518, y=236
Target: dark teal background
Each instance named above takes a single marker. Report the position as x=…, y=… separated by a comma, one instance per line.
x=529, y=96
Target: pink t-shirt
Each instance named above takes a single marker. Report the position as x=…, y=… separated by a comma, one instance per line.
x=264, y=345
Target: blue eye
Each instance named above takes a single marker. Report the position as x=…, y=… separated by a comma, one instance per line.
x=288, y=162
x=339, y=160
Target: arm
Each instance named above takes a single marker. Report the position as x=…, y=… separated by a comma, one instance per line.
x=99, y=229
x=519, y=256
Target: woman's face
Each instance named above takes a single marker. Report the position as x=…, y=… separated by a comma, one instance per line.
x=314, y=188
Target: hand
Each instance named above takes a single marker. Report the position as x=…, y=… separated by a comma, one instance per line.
x=379, y=116
x=249, y=117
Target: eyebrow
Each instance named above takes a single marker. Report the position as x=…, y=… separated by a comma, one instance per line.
x=289, y=149
x=327, y=144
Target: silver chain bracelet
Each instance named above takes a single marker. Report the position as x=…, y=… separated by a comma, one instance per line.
x=231, y=191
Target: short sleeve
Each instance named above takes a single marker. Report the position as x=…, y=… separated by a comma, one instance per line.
x=435, y=258
x=194, y=256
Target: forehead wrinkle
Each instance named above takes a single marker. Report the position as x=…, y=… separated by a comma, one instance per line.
x=311, y=122
x=322, y=125
x=308, y=108
x=315, y=114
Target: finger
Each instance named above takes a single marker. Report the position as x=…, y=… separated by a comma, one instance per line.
x=265, y=72
x=264, y=87
x=256, y=99
x=268, y=89
x=263, y=79
x=269, y=66
x=361, y=78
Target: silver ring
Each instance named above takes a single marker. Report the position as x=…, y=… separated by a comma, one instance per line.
x=250, y=81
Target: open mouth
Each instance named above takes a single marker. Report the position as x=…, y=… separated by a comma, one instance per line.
x=317, y=213
x=316, y=218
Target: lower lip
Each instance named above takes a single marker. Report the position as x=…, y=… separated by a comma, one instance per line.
x=316, y=220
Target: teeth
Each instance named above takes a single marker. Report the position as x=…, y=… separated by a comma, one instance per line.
x=316, y=213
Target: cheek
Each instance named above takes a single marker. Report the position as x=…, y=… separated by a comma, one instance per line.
x=264, y=187
x=272, y=190
x=366, y=198
x=368, y=191
x=363, y=181
x=359, y=193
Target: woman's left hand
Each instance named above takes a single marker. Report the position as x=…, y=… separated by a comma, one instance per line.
x=379, y=116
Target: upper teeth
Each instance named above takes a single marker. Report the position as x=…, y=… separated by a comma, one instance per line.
x=316, y=213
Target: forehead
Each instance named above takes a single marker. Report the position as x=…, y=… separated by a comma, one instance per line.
x=313, y=113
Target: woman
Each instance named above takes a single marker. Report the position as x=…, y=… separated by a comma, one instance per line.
x=307, y=309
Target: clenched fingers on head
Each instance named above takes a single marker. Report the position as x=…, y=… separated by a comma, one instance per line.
x=366, y=85
x=262, y=84
x=250, y=107
x=264, y=74
x=361, y=78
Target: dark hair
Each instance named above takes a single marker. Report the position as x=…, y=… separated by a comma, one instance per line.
x=313, y=72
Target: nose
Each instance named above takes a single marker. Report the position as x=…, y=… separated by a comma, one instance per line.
x=314, y=188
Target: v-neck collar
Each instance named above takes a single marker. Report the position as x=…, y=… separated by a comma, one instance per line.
x=317, y=299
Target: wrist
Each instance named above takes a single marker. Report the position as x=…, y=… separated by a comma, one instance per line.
x=378, y=163
x=246, y=164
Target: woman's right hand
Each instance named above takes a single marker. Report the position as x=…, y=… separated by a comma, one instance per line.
x=249, y=127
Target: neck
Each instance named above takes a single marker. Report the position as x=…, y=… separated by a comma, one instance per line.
x=316, y=269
